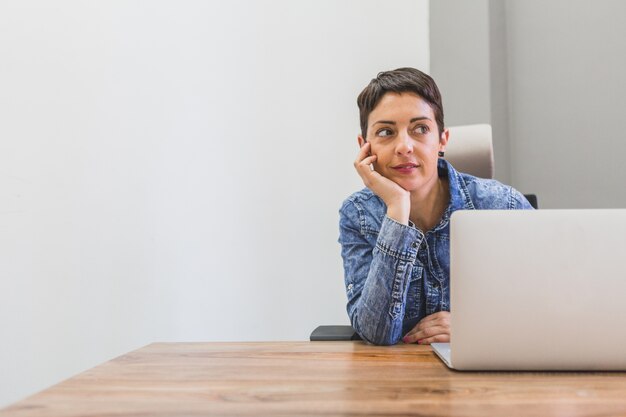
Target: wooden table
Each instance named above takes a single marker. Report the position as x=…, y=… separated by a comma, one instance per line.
x=314, y=379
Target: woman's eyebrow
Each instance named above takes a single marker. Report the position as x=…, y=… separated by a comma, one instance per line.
x=415, y=119
x=391, y=122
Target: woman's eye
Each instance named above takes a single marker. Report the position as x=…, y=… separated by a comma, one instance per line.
x=421, y=129
x=384, y=132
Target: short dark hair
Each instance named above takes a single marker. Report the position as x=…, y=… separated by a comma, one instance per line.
x=401, y=80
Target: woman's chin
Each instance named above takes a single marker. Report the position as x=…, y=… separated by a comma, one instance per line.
x=409, y=185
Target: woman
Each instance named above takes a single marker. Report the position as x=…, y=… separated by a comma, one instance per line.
x=394, y=234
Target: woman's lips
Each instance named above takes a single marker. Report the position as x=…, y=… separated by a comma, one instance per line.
x=405, y=168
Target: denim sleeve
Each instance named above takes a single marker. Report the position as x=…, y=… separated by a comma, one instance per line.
x=377, y=277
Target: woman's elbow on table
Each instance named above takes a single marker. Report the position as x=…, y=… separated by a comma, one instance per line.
x=374, y=335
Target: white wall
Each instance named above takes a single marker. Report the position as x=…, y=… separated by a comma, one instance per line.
x=172, y=171
x=557, y=91
x=459, y=59
x=567, y=67
x=468, y=60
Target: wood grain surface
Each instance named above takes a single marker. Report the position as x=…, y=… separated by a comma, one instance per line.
x=316, y=379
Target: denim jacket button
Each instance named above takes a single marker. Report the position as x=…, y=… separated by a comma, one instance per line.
x=414, y=245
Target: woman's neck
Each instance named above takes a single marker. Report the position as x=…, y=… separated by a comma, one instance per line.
x=428, y=204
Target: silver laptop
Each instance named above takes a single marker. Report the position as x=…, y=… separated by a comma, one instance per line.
x=537, y=290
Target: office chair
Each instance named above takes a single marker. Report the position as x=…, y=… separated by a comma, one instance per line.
x=469, y=150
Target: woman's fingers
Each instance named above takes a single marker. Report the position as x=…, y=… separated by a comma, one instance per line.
x=434, y=327
x=429, y=331
x=437, y=316
x=363, y=153
x=363, y=164
x=368, y=161
x=440, y=338
x=441, y=318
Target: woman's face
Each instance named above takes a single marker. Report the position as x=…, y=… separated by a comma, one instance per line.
x=403, y=134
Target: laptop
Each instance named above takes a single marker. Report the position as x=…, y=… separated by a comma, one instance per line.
x=537, y=290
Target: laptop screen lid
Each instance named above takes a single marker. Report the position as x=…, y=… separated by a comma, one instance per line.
x=538, y=290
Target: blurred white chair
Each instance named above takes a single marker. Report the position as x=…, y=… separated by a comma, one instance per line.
x=470, y=150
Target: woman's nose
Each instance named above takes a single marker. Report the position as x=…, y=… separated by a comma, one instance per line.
x=404, y=145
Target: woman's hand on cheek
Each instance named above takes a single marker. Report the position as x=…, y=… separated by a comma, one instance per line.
x=395, y=197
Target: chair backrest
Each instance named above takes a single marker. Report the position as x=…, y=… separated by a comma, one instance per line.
x=470, y=150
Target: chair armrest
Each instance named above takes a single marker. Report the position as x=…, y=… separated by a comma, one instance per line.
x=330, y=333
x=532, y=199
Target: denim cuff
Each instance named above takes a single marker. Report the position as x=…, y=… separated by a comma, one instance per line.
x=399, y=240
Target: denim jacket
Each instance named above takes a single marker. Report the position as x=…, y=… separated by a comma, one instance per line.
x=395, y=275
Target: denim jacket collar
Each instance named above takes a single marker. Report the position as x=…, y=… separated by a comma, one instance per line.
x=459, y=194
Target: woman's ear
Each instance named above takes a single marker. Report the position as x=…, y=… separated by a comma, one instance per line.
x=361, y=140
x=443, y=140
